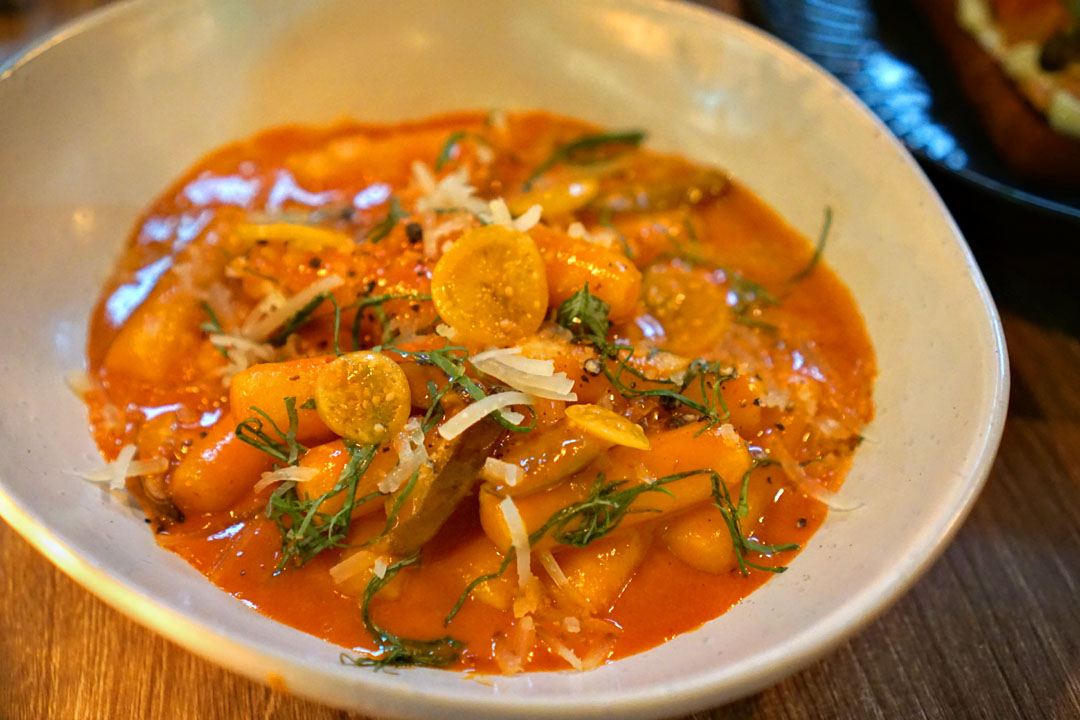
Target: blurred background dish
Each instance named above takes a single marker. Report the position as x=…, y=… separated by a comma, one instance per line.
x=884, y=51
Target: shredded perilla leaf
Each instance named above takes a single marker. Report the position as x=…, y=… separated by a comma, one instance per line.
x=306, y=530
x=608, y=503
x=585, y=149
x=585, y=315
x=394, y=650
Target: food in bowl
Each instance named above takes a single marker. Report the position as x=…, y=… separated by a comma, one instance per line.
x=498, y=392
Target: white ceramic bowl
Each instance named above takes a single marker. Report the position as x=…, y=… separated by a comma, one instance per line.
x=102, y=116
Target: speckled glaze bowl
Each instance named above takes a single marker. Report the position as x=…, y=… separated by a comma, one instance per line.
x=101, y=116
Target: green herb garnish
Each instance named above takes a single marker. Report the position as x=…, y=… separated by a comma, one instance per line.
x=213, y=327
x=375, y=304
x=337, y=323
x=454, y=138
x=733, y=514
x=284, y=448
x=303, y=316
x=606, y=221
x=584, y=149
x=818, y=249
x=451, y=360
x=744, y=488
x=394, y=650
x=381, y=229
x=308, y=531
x=586, y=316
x=297, y=321
x=435, y=410
x=396, y=509
x=691, y=251
x=598, y=514
x=608, y=503
x=751, y=296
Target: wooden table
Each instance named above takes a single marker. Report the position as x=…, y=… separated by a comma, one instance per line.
x=992, y=631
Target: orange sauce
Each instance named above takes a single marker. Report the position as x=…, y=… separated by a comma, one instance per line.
x=813, y=333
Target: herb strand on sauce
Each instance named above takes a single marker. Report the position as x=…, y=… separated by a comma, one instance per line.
x=394, y=650
x=306, y=530
x=601, y=512
x=284, y=448
x=586, y=316
x=584, y=149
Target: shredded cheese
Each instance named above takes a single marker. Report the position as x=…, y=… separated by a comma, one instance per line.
x=498, y=213
x=485, y=154
x=113, y=416
x=264, y=326
x=502, y=472
x=512, y=357
x=451, y=192
x=562, y=651
x=120, y=467
x=511, y=649
x=777, y=398
x=124, y=466
x=555, y=572
x=353, y=565
x=598, y=654
x=830, y=428
x=527, y=599
x=545, y=384
x=529, y=219
x=834, y=501
x=456, y=223
x=577, y=230
x=513, y=417
x=454, y=192
x=556, y=387
x=480, y=409
x=797, y=474
x=444, y=330
x=518, y=537
x=249, y=347
x=241, y=353
x=79, y=382
x=269, y=304
x=412, y=454
x=424, y=179
x=295, y=473
x=599, y=236
x=728, y=433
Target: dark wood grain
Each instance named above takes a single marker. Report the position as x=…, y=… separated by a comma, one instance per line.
x=992, y=631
